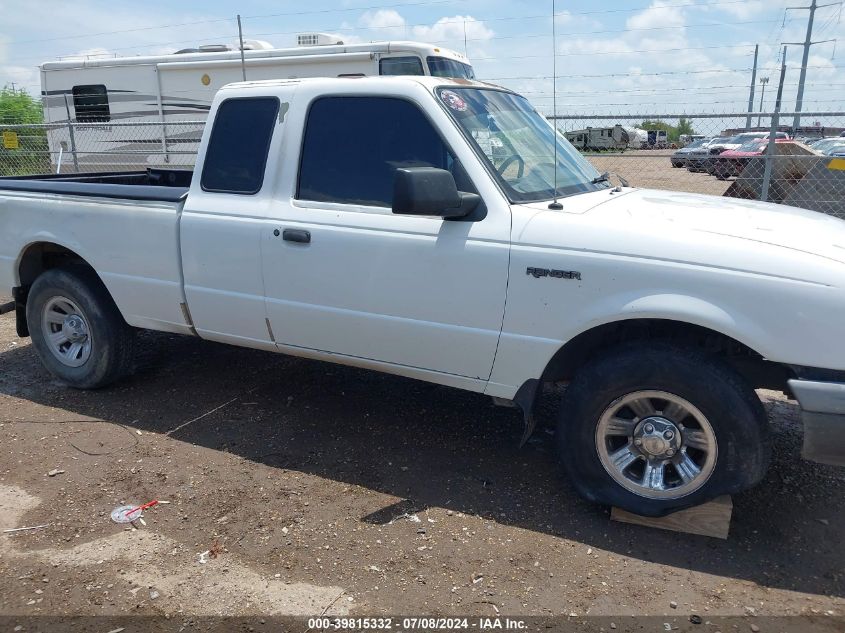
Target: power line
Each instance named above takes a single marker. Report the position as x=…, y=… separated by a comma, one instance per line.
x=485, y=39
x=808, y=42
x=366, y=8
x=229, y=19
x=638, y=75
x=628, y=52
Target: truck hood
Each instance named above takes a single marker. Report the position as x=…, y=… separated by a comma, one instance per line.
x=778, y=225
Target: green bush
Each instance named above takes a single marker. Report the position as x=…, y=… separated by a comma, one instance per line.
x=22, y=114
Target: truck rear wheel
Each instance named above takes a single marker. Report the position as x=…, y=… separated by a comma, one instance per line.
x=653, y=428
x=77, y=330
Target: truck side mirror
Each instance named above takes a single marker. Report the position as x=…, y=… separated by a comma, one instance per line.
x=430, y=191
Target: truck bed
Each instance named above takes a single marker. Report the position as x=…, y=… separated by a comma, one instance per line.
x=166, y=185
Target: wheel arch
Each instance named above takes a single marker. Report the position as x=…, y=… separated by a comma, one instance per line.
x=36, y=258
x=747, y=361
x=40, y=256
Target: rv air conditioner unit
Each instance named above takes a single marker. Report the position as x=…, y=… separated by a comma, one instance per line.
x=316, y=39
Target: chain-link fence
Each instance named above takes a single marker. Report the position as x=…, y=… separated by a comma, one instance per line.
x=74, y=147
x=723, y=154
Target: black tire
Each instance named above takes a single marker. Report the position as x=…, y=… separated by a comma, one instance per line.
x=111, y=339
x=732, y=409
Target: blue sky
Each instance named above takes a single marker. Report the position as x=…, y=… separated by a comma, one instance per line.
x=615, y=57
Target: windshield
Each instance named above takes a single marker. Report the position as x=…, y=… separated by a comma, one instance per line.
x=753, y=145
x=697, y=143
x=443, y=67
x=518, y=145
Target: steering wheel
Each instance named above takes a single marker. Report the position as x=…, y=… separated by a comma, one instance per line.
x=507, y=163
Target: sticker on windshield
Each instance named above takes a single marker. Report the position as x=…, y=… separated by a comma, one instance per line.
x=453, y=100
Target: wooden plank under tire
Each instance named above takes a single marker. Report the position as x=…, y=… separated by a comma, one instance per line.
x=708, y=519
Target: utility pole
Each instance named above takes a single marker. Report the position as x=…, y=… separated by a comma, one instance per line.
x=753, y=85
x=770, y=147
x=763, y=81
x=807, y=43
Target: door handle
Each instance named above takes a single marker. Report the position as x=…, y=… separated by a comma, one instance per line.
x=297, y=235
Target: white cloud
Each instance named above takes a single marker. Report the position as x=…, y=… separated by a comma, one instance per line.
x=564, y=17
x=389, y=23
x=744, y=10
x=21, y=76
x=90, y=53
x=594, y=46
x=659, y=14
x=453, y=29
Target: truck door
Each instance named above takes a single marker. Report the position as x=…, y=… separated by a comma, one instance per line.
x=344, y=275
x=222, y=222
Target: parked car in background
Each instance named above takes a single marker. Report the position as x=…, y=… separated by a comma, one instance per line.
x=733, y=143
x=837, y=149
x=696, y=158
x=732, y=162
x=824, y=144
x=679, y=158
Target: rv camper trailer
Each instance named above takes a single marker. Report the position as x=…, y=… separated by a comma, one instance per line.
x=599, y=138
x=137, y=111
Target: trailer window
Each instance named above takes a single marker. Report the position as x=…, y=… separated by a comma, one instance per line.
x=91, y=103
x=444, y=67
x=400, y=66
x=240, y=140
x=353, y=146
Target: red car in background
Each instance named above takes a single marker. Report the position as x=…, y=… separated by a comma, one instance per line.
x=731, y=162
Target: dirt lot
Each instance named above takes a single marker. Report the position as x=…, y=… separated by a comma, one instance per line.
x=652, y=169
x=322, y=487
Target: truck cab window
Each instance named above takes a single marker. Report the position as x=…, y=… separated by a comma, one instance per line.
x=240, y=140
x=400, y=66
x=91, y=103
x=353, y=146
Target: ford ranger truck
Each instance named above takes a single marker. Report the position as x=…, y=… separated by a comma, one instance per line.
x=442, y=230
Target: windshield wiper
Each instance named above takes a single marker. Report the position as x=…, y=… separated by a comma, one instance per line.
x=605, y=177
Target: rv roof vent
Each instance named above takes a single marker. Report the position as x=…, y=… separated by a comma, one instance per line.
x=214, y=48
x=257, y=45
x=317, y=39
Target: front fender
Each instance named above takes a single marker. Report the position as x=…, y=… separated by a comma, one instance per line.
x=757, y=320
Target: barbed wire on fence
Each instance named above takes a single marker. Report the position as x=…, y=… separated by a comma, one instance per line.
x=717, y=153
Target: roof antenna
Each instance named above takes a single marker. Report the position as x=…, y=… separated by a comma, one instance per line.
x=554, y=206
x=241, y=39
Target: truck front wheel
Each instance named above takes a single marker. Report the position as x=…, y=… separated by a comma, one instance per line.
x=653, y=428
x=77, y=330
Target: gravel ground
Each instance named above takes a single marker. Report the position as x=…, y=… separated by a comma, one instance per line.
x=315, y=487
x=651, y=169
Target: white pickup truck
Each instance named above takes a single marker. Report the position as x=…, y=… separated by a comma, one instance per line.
x=440, y=229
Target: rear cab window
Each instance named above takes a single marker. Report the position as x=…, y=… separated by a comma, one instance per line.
x=236, y=155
